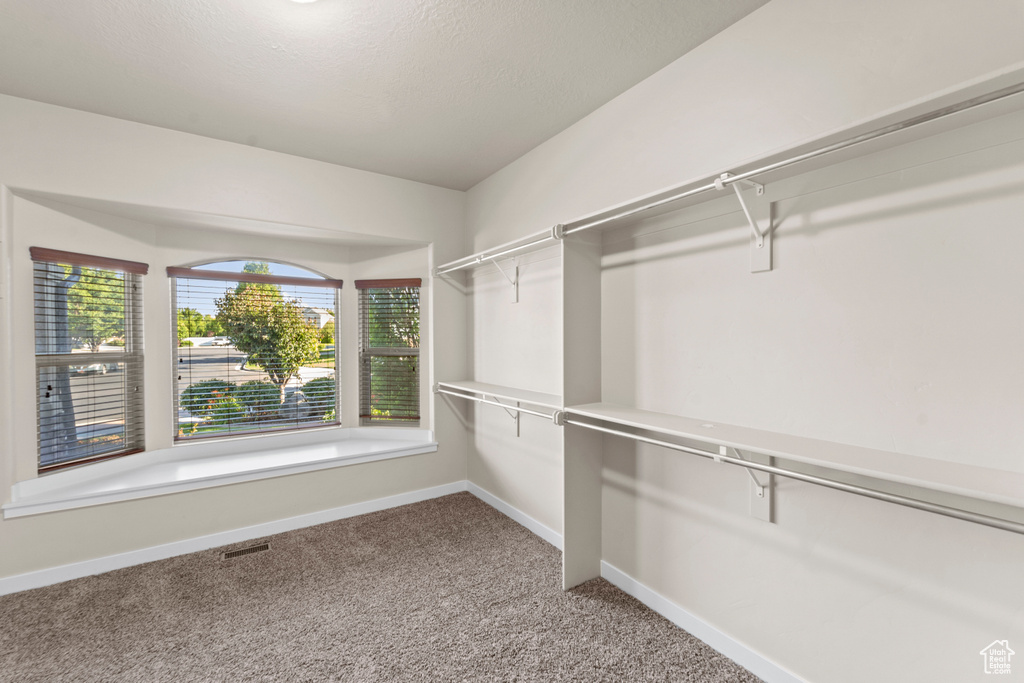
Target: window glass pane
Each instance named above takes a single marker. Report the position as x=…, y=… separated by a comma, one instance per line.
x=253, y=356
x=78, y=309
x=394, y=388
x=393, y=317
x=82, y=411
x=88, y=329
x=389, y=354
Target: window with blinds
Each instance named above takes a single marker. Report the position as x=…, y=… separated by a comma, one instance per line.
x=88, y=328
x=389, y=341
x=255, y=349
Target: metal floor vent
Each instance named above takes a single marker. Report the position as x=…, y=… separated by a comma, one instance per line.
x=245, y=551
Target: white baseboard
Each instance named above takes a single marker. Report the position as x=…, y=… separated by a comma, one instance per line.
x=545, y=532
x=733, y=649
x=46, y=577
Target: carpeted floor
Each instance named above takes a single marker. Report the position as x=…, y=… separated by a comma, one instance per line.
x=444, y=590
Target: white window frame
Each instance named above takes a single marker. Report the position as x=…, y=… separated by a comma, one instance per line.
x=176, y=272
x=46, y=261
x=366, y=352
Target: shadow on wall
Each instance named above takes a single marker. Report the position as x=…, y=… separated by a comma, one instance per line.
x=793, y=217
x=823, y=527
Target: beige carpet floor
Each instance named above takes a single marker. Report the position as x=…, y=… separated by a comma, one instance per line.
x=444, y=590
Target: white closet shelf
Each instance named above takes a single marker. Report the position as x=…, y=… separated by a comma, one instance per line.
x=497, y=391
x=923, y=119
x=972, y=481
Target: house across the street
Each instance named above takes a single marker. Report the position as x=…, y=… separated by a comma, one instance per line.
x=317, y=316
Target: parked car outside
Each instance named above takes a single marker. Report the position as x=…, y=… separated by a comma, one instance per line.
x=92, y=369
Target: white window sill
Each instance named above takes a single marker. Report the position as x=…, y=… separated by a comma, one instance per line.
x=196, y=466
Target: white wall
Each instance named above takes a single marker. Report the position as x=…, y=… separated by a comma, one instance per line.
x=175, y=199
x=891, y=320
x=518, y=345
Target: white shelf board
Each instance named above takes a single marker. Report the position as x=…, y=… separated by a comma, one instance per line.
x=661, y=201
x=535, y=398
x=981, y=483
x=666, y=199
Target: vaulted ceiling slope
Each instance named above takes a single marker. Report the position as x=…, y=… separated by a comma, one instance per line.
x=441, y=91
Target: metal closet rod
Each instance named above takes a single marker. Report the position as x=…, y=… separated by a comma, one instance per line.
x=480, y=399
x=547, y=236
x=967, y=516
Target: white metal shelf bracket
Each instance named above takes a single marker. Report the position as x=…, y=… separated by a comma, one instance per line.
x=514, y=413
x=513, y=279
x=761, y=240
x=724, y=450
x=761, y=498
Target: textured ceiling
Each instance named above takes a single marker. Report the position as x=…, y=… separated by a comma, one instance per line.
x=441, y=91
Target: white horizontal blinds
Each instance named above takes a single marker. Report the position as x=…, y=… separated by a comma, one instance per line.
x=255, y=353
x=389, y=340
x=89, y=357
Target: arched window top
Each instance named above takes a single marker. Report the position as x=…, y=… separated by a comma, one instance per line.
x=254, y=270
x=259, y=266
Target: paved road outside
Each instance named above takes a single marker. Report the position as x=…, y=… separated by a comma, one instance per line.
x=202, y=363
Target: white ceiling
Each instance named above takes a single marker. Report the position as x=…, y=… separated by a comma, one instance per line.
x=441, y=91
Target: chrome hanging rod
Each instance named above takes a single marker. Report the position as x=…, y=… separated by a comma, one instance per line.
x=480, y=399
x=965, y=515
x=529, y=242
x=574, y=227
